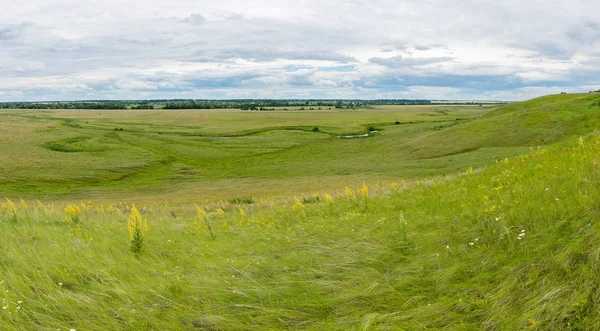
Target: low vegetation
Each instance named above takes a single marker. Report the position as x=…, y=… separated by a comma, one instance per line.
x=218, y=154
x=512, y=245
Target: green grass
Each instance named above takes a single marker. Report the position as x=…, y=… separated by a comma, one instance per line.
x=110, y=154
x=113, y=154
x=512, y=245
x=443, y=255
x=536, y=122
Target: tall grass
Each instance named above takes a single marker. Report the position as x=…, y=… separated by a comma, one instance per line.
x=514, y=246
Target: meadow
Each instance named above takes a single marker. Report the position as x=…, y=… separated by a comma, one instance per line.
x=218, y=154
x=496, y=228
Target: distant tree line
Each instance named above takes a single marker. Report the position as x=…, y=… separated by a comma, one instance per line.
x=244, y=104
x=198, y=105
x=64, y=105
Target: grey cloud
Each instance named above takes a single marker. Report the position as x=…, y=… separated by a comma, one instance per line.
x=587, y=32
x=234, y=16
x=422, y=47
x=195, y=19
x=13, y=31
x=400, y=45
x=30, y=67
x=238, y=47
x=400, y=61
x=406, y=47
x=592, y=62
x=267, y=55
x=552, y=50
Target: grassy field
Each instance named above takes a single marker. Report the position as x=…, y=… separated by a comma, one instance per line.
x=503, y=243
x=219, y=154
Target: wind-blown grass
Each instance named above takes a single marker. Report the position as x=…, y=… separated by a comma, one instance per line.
x=513, y=246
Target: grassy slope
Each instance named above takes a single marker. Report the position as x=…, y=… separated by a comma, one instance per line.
x=216, y=154
x=536, y=122
x=445, y=255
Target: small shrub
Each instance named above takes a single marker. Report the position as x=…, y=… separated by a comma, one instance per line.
x=315, y=129
x=71, y=124
x=241, y=200
x=312, y=199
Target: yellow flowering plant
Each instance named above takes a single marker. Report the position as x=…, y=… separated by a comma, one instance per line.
x=136, y=226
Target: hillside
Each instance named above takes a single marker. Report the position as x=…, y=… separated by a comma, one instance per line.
x=513, y=246
x=537, y=122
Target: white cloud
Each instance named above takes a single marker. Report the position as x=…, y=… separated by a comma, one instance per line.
x=56, y=49
x=400, y=61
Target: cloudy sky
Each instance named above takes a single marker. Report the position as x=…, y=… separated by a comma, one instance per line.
x=433, y=49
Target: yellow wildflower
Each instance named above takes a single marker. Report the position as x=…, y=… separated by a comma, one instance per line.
x=532, y=323
x=200, y=212
x=297, y=205
x=23, y=204
x=364, y=191
x=136, y=226
x=350, y=193
x=73, y=211
x=9, y=205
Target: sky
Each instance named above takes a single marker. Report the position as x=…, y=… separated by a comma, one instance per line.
x=350, y=49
